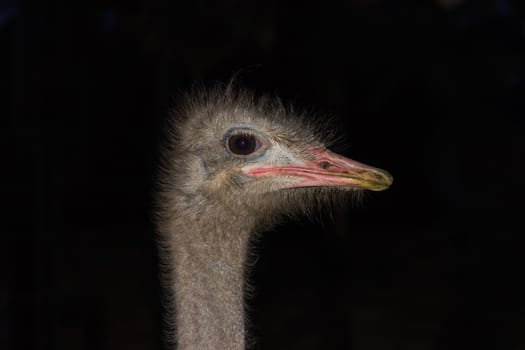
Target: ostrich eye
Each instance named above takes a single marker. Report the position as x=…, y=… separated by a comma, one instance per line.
x=243, y=144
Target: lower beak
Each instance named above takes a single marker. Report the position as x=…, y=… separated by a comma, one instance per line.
x=329, y=169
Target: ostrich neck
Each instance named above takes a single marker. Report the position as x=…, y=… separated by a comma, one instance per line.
x=208, y=252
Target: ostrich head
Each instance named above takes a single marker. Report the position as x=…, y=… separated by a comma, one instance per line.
x=234, y=163
x=233, y=150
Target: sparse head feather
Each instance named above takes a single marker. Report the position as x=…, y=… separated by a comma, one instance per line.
x=212, y=108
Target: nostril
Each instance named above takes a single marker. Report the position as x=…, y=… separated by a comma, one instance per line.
x=325, y=165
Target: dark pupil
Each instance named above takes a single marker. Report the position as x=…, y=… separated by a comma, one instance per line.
x=242, y=144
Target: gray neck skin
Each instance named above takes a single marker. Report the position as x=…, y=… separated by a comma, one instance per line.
x=208, y=252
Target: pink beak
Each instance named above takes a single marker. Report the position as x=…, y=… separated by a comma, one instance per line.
x=328, y=169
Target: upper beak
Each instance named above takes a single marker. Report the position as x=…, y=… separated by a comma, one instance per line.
x=325, y=168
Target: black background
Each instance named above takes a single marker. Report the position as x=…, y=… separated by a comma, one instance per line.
x=433, y=91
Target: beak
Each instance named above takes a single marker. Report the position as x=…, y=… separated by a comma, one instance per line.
x=325, y=168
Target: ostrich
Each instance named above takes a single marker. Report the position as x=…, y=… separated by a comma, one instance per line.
x=233, y=164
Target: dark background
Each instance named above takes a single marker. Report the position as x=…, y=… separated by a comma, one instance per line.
x=433, y=91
